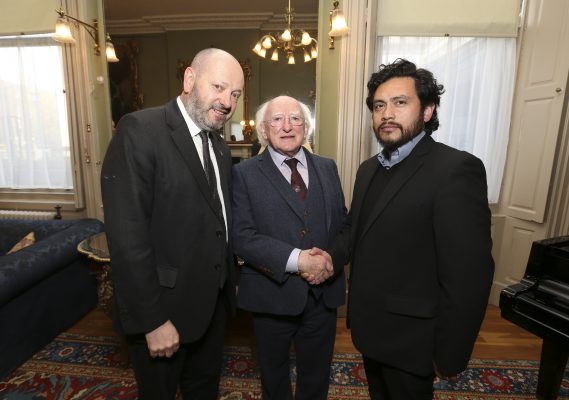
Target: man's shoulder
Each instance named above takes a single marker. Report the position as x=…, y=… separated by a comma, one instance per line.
x=369, y=163
x=445, y=159
x=248, y=164
x=320, y=160
x=451, y=154
x=145, y=116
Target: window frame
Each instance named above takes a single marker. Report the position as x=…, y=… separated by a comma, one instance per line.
x=69, y=199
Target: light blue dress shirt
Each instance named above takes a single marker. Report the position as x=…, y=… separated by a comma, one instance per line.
x=400, y=153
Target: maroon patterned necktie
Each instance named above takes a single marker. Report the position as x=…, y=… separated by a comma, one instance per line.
x=296, y=181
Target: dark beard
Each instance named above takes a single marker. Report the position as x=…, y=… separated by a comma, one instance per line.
x=197, y=110
x=406, y=136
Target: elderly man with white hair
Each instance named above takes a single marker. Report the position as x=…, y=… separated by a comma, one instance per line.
x=288, y=204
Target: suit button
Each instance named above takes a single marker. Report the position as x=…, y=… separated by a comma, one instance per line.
x=217, y=266
x=306, y=213
x=218, y=234
x=303, y=232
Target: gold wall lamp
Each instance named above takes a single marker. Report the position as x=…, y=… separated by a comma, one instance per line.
x=63, y=34
x=338, y=24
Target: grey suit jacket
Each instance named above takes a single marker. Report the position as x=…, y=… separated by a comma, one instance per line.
x=267, y=227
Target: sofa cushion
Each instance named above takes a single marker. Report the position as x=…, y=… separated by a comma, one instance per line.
x=26, y=241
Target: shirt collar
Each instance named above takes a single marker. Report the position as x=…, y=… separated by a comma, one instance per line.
x=279, y=158
x=400, y=153
x=194, y=129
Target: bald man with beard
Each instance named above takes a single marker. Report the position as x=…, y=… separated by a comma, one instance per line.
x=165, y=186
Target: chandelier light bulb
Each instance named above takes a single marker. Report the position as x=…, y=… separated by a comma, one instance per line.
x=286, y=35
x=257, y=48
x=267, y=43
x=307, y=57
x=306, y=39
x=242, y=123
x=291, y=58
x=251, y=123
x=263, y=52
x=275, y=56
x=314, y=52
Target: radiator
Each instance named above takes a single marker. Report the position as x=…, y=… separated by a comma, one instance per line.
x=22, y=214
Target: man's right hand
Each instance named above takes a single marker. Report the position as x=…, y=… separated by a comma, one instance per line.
x=163, y=341
x=315, y=266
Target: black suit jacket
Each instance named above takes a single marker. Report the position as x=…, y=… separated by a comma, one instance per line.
x=421, y=265
x=167, y=244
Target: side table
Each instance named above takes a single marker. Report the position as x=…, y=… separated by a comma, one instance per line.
x=96, y=249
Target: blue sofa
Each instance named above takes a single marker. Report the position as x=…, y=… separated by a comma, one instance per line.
x=44, y=288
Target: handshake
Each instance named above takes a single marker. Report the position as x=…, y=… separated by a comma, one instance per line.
x=315, y=265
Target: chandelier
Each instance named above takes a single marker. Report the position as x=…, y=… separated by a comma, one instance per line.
x=289, y=41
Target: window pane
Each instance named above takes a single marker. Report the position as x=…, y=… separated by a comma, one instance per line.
x=478, y=75
x=34, y=132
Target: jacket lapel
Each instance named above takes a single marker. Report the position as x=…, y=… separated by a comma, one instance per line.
x=183, y=141
x=365, y=175
x=407, y=169
x=326, y=184
x=276, y=178
x=222, y=154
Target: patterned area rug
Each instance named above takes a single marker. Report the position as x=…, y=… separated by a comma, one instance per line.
x=87, y=367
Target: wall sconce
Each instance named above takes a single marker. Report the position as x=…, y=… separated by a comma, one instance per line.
x=110, y=50
x=63, y=34
x=338, y=25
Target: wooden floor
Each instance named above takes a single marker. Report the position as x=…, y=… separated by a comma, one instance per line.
x=498, y=339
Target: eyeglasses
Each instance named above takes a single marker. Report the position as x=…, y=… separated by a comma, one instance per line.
x=277, y=121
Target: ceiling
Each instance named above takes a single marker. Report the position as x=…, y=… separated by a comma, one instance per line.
x=151, y=16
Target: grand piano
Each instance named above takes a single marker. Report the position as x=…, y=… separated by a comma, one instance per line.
x=539, y=303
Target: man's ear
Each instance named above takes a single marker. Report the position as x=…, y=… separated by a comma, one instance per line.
x=189, y=79
x=428, y=112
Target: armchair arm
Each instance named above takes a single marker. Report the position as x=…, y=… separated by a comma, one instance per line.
x=21, y=270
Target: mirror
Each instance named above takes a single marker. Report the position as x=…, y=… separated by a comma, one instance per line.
x=126, y=96
x=167, y=33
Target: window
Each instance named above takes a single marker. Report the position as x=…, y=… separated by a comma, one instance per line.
x=34, y=130
x=478, y=75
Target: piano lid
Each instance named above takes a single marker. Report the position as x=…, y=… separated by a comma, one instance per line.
x=549, y=259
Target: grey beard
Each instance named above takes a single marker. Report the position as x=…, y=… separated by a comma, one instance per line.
x=198, y=112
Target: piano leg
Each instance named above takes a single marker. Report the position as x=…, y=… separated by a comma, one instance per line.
x=551, y=368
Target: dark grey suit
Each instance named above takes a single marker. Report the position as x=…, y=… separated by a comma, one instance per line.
x=269, y=222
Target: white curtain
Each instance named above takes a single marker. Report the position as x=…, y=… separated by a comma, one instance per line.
x=34, y=132
x=478, y=76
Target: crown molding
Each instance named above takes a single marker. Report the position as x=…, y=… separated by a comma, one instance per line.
x=188, y=22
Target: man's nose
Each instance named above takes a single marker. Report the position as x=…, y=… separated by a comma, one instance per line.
x=388, y=113
x=225, y=99
x=287, y=126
